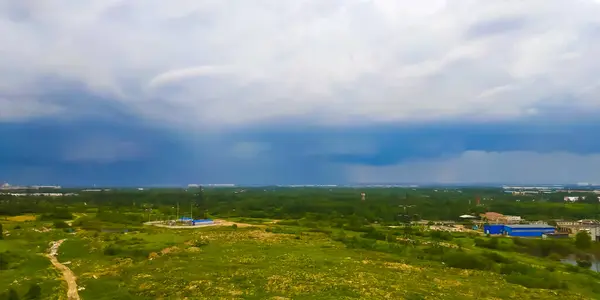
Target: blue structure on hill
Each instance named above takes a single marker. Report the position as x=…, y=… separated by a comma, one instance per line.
x=493, y=229
x=519, y=230
x=196, y=222
x=528, y=230
x=202, y=222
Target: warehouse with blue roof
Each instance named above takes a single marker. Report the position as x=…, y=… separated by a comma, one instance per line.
x=521, y=230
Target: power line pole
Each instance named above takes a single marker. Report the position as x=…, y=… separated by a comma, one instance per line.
x=406, y=220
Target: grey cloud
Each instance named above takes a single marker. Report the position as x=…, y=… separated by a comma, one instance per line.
x=498, y=26
x=488, y=167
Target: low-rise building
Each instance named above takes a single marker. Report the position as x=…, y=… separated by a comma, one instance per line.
x=513, y=219
x=595, y=233
x=528, y=230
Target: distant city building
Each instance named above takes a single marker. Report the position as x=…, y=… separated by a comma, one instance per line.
x=55, y=187
x=513, y=219
x=576, y=198
x=39, y=194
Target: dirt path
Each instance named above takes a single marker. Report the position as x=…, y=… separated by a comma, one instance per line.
x=68, y=275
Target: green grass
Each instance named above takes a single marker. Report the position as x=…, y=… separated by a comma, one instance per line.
x=254, y=264
x=290, y=262
x=27, y=266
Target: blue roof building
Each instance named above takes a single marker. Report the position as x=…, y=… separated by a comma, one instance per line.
x=202, y=222
x=493, y=228
x=530, y=230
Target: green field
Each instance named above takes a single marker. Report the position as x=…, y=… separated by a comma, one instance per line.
x=288, y=248
x=253, y=263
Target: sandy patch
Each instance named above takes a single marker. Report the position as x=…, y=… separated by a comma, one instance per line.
x=23, y=218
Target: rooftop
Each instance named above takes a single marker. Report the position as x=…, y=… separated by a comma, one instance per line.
x=528, y=226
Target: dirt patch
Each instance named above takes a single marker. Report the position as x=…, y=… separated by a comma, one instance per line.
x=447, y=283
x=400, y=266
x=240, y=225
x=22, y=218
x=169, y=250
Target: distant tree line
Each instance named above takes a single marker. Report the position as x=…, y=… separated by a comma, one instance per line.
x=383, y=205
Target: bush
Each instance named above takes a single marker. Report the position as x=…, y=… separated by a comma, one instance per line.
x=201, y=242
x=516, y=268
x=112, y=250
x=496, y=257
x=468, y=261
x=586, y=264
x=34, y=292
x=321, y=230
x=441, y=235
x=555, y=256
x=60, y=224
x=375, y=235
x=537, y=281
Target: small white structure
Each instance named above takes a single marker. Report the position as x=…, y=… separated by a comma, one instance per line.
x=572, y=198
x=468, y=217
x=513, y=219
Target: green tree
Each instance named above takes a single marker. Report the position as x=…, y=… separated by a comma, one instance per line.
x=13, y=295
x=60, y=224
x=3, y=261
x=583, y=240
x=34, y=292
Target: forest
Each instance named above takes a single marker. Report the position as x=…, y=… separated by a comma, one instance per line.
x=382, y=205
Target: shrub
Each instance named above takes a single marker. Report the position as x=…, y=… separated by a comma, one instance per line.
x=112, y=250
x=537, y=281
x=496, y=257
x=468, y=261
x=441, y=235
x=516, y=268
x=60, y=224
x=201, y=242
x=321, y=230
x=586, y=264
x=375, y=235
x=555, y=256
x=34, y=292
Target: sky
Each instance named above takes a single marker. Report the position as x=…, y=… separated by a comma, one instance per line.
x=144, y=92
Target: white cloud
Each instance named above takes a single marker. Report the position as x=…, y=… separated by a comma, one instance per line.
x=336, y=61
x=487, y=167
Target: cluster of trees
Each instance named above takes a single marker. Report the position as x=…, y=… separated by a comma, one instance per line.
x=34, y=292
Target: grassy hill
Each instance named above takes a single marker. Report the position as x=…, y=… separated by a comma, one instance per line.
x=273, y=261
